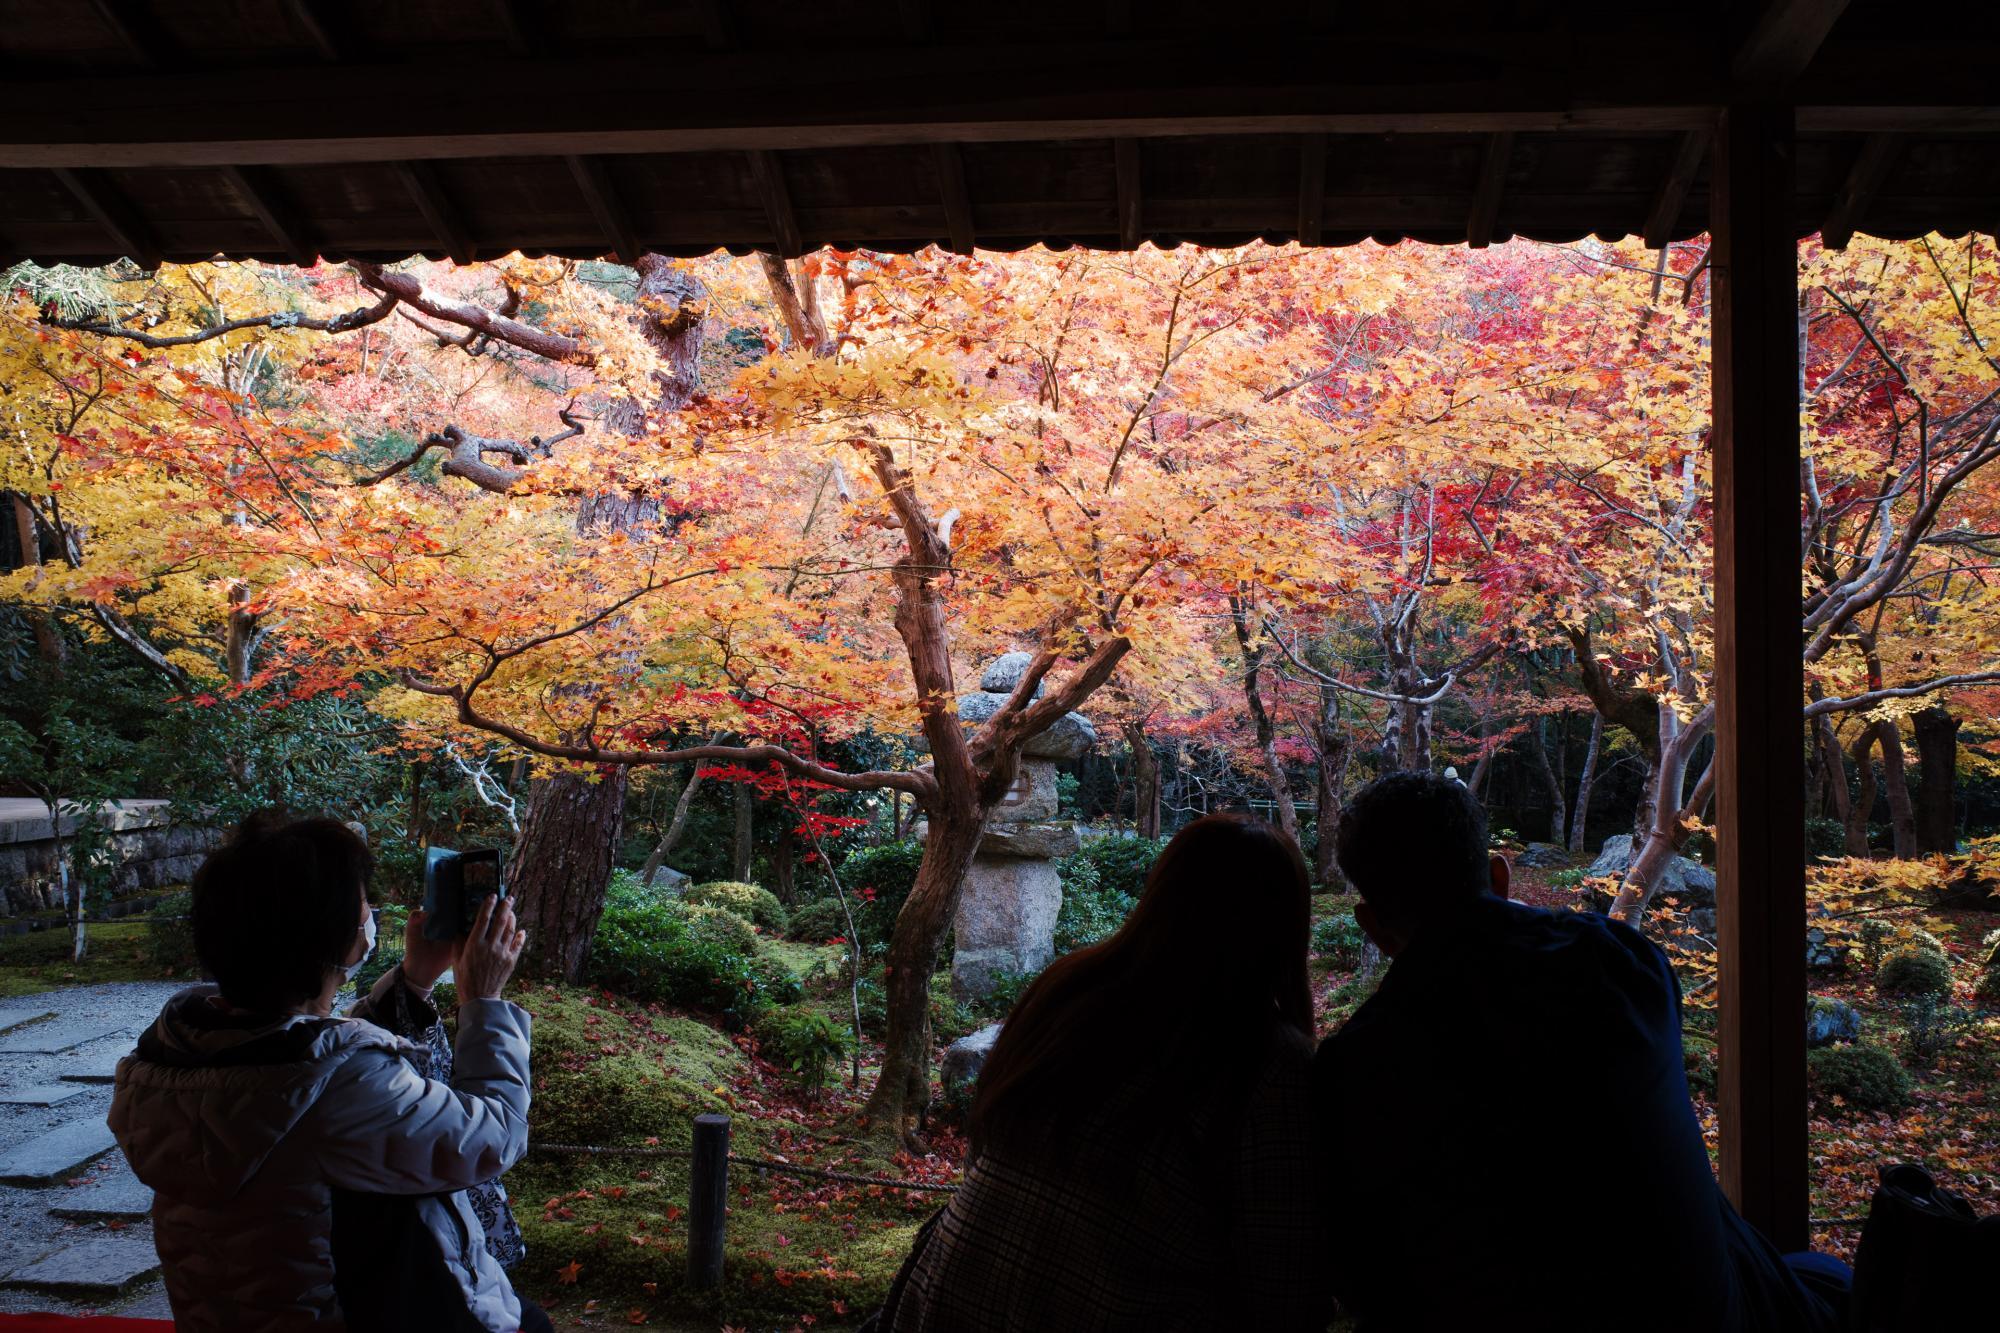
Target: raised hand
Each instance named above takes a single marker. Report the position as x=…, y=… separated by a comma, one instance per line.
x=491, y=949
x=424, y=959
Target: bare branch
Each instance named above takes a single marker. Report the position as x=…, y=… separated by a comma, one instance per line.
x=276, y=319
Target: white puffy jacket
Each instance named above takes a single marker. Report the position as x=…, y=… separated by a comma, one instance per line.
x=245, y=1130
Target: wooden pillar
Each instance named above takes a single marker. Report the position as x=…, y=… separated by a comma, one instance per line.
x=1760, y=748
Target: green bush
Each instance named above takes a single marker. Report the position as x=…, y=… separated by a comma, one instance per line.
x=1568, y=879
x=1862, y=1076
x=1121, y=864
x=1338, y=939
x=1987, y=988
x=818, y=921
x=804, y=1041
x=1914, y=971
x=650, y=946
x=877, y=880
x=170, y=935
x=1091, y=910
x=753, y=903
x=1698, y=1056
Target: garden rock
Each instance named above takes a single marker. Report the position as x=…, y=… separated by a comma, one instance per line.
x=1821, y=956
x=1829, y=1020
x=1067, y=738
x=1004, y=672
x=1542, y=856
x=964, y=1058
x=1687, y=880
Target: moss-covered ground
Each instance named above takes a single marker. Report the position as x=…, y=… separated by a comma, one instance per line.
x=39, y=960
x=607, y=1235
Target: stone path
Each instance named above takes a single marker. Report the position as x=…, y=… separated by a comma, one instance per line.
x=75, y=1234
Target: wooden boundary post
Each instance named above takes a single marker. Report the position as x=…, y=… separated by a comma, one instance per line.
x=1760, y=685
x=708, y=1201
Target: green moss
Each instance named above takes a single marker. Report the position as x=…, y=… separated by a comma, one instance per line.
x=1915, y=971
x=39, y=961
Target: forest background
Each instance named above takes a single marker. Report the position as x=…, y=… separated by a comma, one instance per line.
x=686, y=564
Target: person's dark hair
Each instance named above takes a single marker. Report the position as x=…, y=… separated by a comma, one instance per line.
x=1411, y=842
x=274, y=908
x=1178, y=1001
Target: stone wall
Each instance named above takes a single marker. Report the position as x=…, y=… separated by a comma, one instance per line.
x=146, y=853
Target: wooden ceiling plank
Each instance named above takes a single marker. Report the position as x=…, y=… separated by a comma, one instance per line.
x=135, y=29
x=769, y=172
x=1125, y=157
x=1672, y=195
x=716, y=31
x=1312, y=188
x=523, y=35
x=916, y=16
x=1486, y=194
x=593, y=182
x=1118, y=17
x=316, y=28
x=1871, y=167
x=1783, y=42
x=261, y=196
x=112, y=212
x=957, y=198
x=420, y=182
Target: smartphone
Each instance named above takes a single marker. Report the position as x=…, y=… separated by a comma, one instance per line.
x=455, y=884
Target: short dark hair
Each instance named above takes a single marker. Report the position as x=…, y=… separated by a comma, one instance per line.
x=274, y=908
x=1411, y=842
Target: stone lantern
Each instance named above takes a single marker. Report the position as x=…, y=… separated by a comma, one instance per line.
x=1007, y=914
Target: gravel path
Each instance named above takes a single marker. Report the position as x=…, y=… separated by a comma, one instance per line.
x=27, y=1231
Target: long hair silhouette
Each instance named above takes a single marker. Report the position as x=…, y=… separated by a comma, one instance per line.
x=1179, y=1001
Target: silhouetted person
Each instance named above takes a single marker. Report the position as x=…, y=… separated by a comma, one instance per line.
x=1506, y=1129
x=1141, y=1130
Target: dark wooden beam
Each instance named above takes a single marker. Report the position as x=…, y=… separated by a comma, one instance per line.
x=769, y=173
x=593, y=182
x=1486, y=193
x=261, y=196
x=1118, y=17
x=113, y=213
x=318, y=29
x=1131, y=203
x=1672, y=195
x=957, y=199
x=717, y=33
x=1760, y=682
x=1312, y=188
x=426, y=191
x=916, y=15
x=136, y=30
x=737, y=100
x=1871, y=167
x=521, y=32
x=1783, y=42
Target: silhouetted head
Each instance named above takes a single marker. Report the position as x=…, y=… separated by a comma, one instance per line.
x=278, y=907
x=1415, y=847
x=1211, y=958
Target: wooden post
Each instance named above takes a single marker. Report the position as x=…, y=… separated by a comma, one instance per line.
x=1760, y=747
x=708, y=1201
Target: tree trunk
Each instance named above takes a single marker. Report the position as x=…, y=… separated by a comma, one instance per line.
x=1260, y=716
x=1863, y=808
x=420, y=806
x=1937, y=776
x=1580, y=815
x=781, y=863
x=1670, y=821
x=671, y=838
x=27, y=532
x=1896, y=787
x=1145, y=781
x=743, y=843
x=1558, y=807
x=1834, y=765
x=1335, y=751
x=562, y=866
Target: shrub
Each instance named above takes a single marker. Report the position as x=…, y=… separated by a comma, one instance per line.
x=1862, y=1076
x=877, y=880
x=818, y=921
x=804, y=1041
x=1568, y=879
x=753, y=903
x=1090, y=911
x=1914, y=971
x=1987, y=987
x=658, y=948
x=1121, y=864
x=1929, y=1026
x=170, y=935
x=1698, y=1057
x=1339, y=939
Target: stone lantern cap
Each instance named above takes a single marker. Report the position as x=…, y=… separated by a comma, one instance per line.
x=1070, y=736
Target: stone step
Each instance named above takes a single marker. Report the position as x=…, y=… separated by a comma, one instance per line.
x=13, y=1017
x=121, y=1197
x=96, y=1265
x=52, y=1158
x=44, y=1094
x=62, y=1034
x=101, y=1067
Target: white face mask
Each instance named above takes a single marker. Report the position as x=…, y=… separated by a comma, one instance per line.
x=368, y=935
